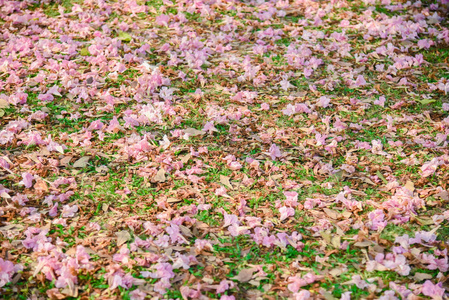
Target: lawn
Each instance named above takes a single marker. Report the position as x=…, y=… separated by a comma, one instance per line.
x=216, y=149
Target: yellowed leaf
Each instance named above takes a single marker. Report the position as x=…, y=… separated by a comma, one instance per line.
x=122, y=237
x=225, y=181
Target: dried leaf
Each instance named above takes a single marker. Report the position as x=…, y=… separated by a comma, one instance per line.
x=245, y=275
x=326, y=236
x=336, y=272
x=102, y=169
x=422, y=276
x=336, y=241
x=363, y=244
x=41, y=185
x=424, y=220
x=185, y=159
x=66, y=160
x=381, y=176
x=410, y=186
x=443, y=195
x=71, y=292
x=122, y=237
x=173, y=200
x=327, y=295
x=54, y=294
x=225, y=181
x=331, y=213
x=160, y=176
x=194, y=132
x=82, y=162
x=4, y=103
x=367, y=180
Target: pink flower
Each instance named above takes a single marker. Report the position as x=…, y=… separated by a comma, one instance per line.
x=162, y=20
x=286, y=212
x=360, y=81
x=377, y=219
x=435, y=291
x=425, y=43
x=7, y=269
x=209, y=127
x=224, y=286
x=275, y=152
x=323, y=101
x=380, y=101
x=27, y=180
x=297, y=282
x=69, y=211
x=289, y=110
x=137, y=295
x=291, y=199
x=302, y=295
x=230, y=219
x=162, y=286
x=221, y=191
x=430, y=167
x=445, y=106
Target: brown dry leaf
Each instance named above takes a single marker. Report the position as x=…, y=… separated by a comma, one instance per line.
x=194, y=132
x=82, y=162
x=346, y=214
x=66, y=160
x=367, y=180
x=424, y=220
x=4, y=103
x=336, y=272
x=336, y=241
x=102, y=169
x=160, y=176
x=331, y=213
x=185, y=231
x=40, y=185
x=327, y=295
x=122, y=237
x=244, y=275
x=173, y=200
x=70, y=292
x=54, y=294
x=443, y=195
x=225, y=181
x=326, y=236
x=5, y=195
x=410, y=186
x=363, y=244
x=186, y=158
x=422, y=276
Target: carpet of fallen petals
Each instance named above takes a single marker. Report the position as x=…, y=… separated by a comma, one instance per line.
x=223, y=149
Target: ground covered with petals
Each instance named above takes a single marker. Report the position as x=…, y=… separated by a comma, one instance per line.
x=215, y=149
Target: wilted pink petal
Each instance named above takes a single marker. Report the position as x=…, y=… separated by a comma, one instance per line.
x=27, y=179
x=275, y=152
x=286, y=212
x=430, y=167
x=435, y=291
